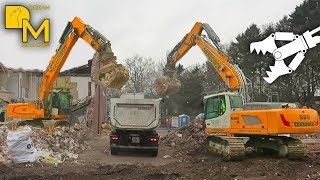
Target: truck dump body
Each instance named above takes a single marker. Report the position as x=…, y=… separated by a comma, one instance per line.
x=134, y=120
x=135, y=113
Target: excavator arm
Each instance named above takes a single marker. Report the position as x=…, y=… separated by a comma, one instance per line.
x=73, y=31
x=185, y=44
x=111, y=75
x=211, y=47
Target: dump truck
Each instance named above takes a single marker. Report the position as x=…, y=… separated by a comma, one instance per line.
x=134, y=120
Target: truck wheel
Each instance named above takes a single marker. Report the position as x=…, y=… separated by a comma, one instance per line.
x=154, y=153
x=114, y=151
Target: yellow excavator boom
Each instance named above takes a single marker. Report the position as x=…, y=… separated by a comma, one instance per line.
x=210, y=45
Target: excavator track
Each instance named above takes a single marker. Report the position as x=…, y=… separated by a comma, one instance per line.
x=231, y=148
x=286, y=147
x=14, y=124
x=295, y=148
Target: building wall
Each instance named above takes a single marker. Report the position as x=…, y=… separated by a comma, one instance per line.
x=16, y=85
x=3, y=80
x=3, y=107
x=34, y=86
x=13, y=84
x=78, y=85
x=22, y=84
x=82, y=86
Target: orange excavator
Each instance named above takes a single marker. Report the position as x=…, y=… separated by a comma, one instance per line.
x=56, y=105
x=231, y=120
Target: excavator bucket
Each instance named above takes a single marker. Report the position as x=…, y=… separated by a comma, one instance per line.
x=166, y=85
x=112, y=75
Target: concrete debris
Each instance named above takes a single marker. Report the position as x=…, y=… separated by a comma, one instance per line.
x=186, y=141
x=166, y=85
x=4, y=151
x=106, y=126
x=89, y=116
x=47, y=158
x=81, y=103
x=166, y=156
x=63, y=145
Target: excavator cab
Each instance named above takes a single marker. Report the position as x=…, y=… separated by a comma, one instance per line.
x=218, y=107
x=59, y=104
x=58, y=110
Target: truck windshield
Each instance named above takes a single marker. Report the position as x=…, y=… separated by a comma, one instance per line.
x=235, y=101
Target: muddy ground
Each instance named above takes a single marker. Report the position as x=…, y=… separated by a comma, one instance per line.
x=97, y=163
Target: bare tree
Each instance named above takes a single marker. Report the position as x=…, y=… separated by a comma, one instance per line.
x=142, y=74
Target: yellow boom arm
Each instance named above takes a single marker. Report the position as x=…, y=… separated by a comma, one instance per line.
x=73, y=31
x=213, y=51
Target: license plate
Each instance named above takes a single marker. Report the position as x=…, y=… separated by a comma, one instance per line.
x=135, y=139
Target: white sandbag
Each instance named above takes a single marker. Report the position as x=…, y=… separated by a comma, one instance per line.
x=20, y=145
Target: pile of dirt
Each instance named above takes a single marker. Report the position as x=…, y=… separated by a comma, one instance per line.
x=187, y=141
x=210, y=168
x=64, y=144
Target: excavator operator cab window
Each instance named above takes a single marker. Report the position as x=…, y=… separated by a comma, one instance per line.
x=236, y=101
x=55, y=100
x=215, y=107
x=64, y=103
x=61, y=101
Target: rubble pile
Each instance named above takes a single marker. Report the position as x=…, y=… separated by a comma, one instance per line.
x=187, y=141
x=89, y=114
x=81, y=103
x=4, y=151
x=63, y=144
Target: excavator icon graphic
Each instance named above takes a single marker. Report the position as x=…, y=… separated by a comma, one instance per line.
x=299, y=45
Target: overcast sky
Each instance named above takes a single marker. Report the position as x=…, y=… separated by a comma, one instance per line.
x=145, y=27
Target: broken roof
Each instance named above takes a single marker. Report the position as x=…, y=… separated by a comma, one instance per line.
x=84, y=70
x=5, y=69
